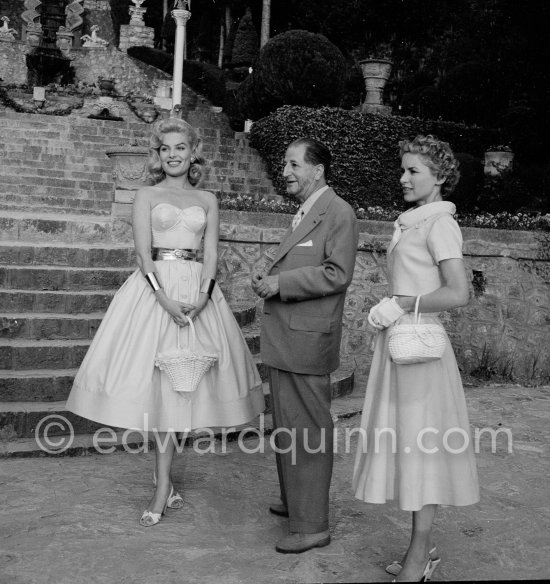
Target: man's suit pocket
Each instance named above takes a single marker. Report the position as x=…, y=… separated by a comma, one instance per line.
x=303, y=322
x=303, y=250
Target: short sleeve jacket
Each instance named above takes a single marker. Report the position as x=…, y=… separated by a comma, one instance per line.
x=413, y=262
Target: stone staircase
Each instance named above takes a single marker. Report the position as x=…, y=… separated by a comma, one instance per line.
x=63, y=256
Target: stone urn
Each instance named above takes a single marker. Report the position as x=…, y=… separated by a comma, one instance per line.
x=376, y=73
x=130, y=173
x=497, y=160
x=64, y=40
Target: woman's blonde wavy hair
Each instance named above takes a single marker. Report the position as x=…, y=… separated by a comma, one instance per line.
x=438, y=156
x=181, y=127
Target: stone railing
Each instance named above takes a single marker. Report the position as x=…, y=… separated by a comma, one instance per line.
x=503, y=330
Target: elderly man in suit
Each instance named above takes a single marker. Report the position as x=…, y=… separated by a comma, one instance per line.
x=304, y=290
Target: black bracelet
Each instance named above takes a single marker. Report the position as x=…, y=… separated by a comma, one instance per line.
x=153, y=282
x=208, y=289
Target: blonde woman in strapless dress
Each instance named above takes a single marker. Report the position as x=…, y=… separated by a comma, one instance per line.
x=118, y=383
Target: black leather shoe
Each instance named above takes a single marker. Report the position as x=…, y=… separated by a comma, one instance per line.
x=278, y=509
x=296, y=543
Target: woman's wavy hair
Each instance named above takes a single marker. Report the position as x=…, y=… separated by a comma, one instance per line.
x=438, y=156
x=182, y=127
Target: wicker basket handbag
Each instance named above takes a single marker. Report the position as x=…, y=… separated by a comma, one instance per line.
x=416, y=342
x=184, y=366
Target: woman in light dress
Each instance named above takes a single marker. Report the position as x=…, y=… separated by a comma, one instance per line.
x=415, y=445
x=118, y=383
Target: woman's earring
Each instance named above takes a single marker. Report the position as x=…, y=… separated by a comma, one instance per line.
x=193, y=160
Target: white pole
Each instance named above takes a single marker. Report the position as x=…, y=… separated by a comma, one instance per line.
x=181, y=17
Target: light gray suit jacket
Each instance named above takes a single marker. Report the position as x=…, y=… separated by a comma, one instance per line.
x=302, y=325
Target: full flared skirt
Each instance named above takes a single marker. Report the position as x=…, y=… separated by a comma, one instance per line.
x=415, y=442
x=119, y=385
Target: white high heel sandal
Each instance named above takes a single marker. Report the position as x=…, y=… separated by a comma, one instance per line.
x=148, y=519
x=395, y=567
x=175, y=500
x=429, y=569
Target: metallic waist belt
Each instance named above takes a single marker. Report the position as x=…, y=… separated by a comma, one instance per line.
x=162, y=253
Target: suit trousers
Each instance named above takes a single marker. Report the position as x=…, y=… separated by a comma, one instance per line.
x=304, y=430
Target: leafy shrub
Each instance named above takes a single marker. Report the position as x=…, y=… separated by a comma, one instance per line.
x=364, y=147
x=206, y=79
x=155, y=57
x=295, y=68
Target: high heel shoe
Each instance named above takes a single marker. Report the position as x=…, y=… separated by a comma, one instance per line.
x=431, y=565
x=148, y=519
x=395, y=567
x=175, y=500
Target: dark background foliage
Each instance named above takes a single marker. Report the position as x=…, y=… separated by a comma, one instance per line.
x=366, y=166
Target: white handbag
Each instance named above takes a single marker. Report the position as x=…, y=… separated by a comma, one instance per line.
x=416, y=342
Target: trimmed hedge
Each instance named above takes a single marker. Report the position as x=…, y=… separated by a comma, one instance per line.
x=296, y=67
x=366, y=165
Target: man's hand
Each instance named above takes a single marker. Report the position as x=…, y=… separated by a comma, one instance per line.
x=265, y=286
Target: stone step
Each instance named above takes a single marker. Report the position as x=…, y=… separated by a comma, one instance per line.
x=62, y=278
x=61, y=181
x=19, y=253
x=46, y=204
x=48, y=168
x=30, y=226
x=49, y=326
x=60, y=326
x=20, y=420
x=60, y=301
x=107, y=442
x=58, y=350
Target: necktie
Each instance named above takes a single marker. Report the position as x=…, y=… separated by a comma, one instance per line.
x=297, y=218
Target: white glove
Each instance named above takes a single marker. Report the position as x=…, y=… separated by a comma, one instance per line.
x=386, y=312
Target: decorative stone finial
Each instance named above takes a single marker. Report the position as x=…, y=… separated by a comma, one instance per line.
x=73, y=18
x=31, y=15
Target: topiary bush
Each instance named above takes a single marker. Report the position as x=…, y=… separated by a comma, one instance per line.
x=365, y=149
x=247, y=43
x=295, y=68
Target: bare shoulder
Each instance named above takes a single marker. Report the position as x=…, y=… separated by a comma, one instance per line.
x=145, y=194
x=210, y=200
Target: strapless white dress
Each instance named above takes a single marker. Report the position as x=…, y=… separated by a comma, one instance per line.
x=118, y=383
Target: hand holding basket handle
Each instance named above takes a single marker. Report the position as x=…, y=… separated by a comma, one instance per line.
x=386, y=312
x=185, y=367
x=417, y=342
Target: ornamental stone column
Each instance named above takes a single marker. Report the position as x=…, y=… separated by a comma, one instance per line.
x=181, y=16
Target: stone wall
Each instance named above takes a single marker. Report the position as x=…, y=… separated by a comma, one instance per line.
x=132, y=35
x=13, y=67
x=503, y=330
x=129, y=75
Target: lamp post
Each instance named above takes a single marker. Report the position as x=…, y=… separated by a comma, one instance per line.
x=181, y=15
